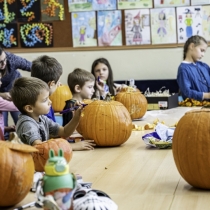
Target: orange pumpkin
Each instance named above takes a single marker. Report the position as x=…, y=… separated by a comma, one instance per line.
x=191, y=148
x=16, y=174
x=134, y=101
x=108, y=123
x=59, y=97
x=41, y=157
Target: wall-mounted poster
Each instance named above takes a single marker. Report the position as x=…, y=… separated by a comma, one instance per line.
x=130, y=4
x=104, y=4
x=84, y=29
x=206, y=22
x=8, y=35
x=28, y=11
x=200, y=2
x=109, y=27
x=7, y=11
x=137, y=27
x=171, y=3
x=163, y=25
x=189, y=22
x=80, y=5
x=36, y=35
x=52, y=10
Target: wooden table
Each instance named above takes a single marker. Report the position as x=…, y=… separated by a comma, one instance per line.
x=137, y=177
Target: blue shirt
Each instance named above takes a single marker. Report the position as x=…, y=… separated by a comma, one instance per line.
x=193, y=80
x=14, y=62
x=51, y=114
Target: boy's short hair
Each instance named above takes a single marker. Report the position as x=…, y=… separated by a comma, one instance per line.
x=25, y=91
x=46, y=68
x=79, y=77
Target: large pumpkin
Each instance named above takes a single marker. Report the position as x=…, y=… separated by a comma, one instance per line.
x=59, y=97
x=41, y=157
x=108, y=123
x=134, y=101
x=16, y=172
x=191, y=147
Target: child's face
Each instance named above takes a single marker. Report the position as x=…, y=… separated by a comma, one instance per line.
x=198, y=52
x=102, y=71
x=53, y=86
x=87, y=90
x=43, y=103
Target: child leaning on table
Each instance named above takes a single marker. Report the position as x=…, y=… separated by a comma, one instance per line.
x=81, y=84
x=49, y=70
x=31, y=97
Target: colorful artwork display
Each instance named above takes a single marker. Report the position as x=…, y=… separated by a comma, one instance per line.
x=8, y=35
x=189, y=22
x=7, y=11
x=137, y=27
x=104, y=4
x=138, y=4
x=109, y=28
x=199, y=2
x=28, y=10
x=171, y=3
x=206, y=22
x=163, y=26
x=36, y=35
x=52, y=10
x=84, y=29
x=80, y=5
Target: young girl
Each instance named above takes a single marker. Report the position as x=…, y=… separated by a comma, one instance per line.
x=104, y=84
x=193, y=75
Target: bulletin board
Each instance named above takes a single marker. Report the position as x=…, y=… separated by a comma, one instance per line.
x=156, y=24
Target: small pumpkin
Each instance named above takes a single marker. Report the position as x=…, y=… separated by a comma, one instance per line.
x=59, y=97
x=191, y=148
x=17, y=171
x=134, y=101
x=108, y=123
x=41, y=157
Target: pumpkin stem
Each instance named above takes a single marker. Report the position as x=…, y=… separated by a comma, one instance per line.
x=108, y=97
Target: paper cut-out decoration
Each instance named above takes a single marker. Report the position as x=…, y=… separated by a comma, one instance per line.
x=84, y=29
x=200, y=2
x=80, y=5
x=163, y=25
x=137, y=27
x=104, y=4
x=28, y=10
x=171, y=3
x=7, y=11
x=8, y=35
x=109, y=28
x=189, y=22
x=130, y=4
x=206, y=22
x=52, y=10
x=36, y=35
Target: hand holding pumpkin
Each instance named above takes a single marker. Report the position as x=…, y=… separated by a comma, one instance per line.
x=83, y=145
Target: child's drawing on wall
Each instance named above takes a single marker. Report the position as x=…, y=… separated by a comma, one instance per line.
x=137, y=27
x=191, y=24
x=206, y=22
x=163, y=25
x=104, y=4
x=109, y=28
x=134, y=4
x=171, y=3
x=200, y=2
x=84, y=29
x=80, y=5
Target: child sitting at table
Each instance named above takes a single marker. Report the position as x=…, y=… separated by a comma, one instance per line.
x=31, y=97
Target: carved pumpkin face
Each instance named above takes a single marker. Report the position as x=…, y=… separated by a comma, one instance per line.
x=41, y=157
x=108, y=123
x=17, y=171
x=59, y=97
x=134, y=101
x=191, y=148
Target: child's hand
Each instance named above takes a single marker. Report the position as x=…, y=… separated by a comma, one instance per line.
x=77, y=113
x=9, y=128
x=83, y=145
x=100, y=84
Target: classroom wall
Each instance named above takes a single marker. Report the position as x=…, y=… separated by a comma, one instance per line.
x=140, y=64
